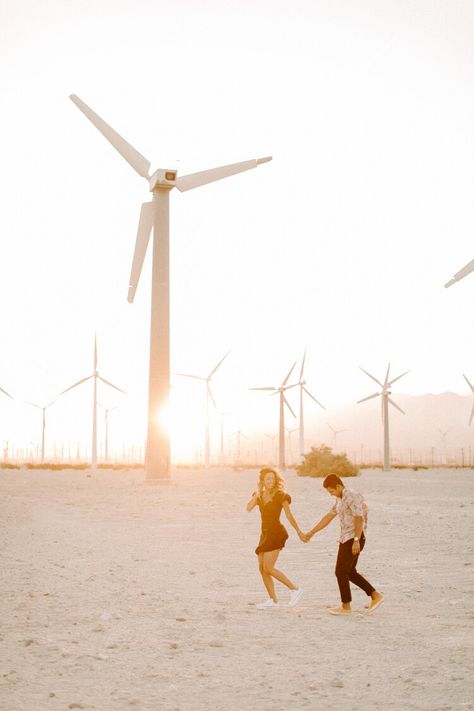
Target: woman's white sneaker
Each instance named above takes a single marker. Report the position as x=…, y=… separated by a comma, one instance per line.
x=267, y=605
x=295, y=596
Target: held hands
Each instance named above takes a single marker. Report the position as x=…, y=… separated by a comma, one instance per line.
x=305, y=537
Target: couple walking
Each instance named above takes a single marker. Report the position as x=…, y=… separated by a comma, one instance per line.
x=351, y=508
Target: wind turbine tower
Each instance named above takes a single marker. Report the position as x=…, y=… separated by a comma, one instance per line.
x=385, y=395
x=303, y=389
x=43, y=423
x=154, y=217
x=472, y=390
x=283, y=401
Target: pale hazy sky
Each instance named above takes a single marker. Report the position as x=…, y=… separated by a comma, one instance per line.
x=342, y=244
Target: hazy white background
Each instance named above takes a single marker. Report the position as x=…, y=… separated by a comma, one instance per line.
x=342, y=244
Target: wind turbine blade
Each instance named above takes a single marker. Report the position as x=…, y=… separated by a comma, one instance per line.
x=33, y=404
x=195, y=180
x=461, y=274
x=397, y=378
x=263, y=388
x=95, y=353
x=217, y=366
x=211, y=395
x=288, y=406
x=312, y=396
x=371, y=376
x=368, y=398
x=386, y=376
x=469, y=383
x=395, y=405
x=302, y=365
x=111, y=385
x=287, y=377
x=5, y=393
x=79, y=382
x=472, y=415
x=131, y=155
x=187, y=375
x=145, y=226
x=51, y=403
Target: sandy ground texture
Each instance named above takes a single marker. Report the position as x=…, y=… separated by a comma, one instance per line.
x=120, y=595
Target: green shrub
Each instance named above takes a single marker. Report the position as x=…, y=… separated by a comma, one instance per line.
x=321, y=461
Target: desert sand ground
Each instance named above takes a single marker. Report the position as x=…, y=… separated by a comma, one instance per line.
x=120, y=595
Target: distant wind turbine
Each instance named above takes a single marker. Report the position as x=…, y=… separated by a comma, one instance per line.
x=472, y=390
x=303, y=389
x=5, y=393
x=96, y=377
x=283, y=401
x=385, y=395
x=461, y=274
x=43, y=423
x=106, y=420
x=239, y=434
x=155, y=216
x=335, y=433
x=209, y=396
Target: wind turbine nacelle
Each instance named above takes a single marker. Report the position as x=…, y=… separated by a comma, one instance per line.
x=163, y=178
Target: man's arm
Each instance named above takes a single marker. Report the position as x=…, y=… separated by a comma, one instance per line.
x=358, y=529
x=325, y=521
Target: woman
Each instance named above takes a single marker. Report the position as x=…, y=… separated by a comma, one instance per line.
x=270, y=498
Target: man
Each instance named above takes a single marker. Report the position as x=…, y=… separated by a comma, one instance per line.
x=352, y=510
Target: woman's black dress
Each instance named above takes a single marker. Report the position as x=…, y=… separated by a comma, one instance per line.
x=274, y=534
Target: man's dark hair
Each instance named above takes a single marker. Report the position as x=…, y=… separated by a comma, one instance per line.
x=332, y=480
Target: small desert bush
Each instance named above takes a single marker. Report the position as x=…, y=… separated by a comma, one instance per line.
x=321, y=461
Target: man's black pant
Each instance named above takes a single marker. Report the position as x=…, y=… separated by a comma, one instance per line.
x=346, y=570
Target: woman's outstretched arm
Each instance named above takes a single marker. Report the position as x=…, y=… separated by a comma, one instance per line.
x=291, y=518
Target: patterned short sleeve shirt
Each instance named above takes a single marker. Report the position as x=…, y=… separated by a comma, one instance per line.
x=351, y=504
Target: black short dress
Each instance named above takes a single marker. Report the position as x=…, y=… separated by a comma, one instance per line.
x=274, y=534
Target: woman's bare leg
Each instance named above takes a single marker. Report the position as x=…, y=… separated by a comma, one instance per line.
x=269, y=560
x=267, y=579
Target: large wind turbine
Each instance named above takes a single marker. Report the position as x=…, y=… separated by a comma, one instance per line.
x=43, y=422
x=335, y=433
x=209, y=396
x=303, y=389
x=385, y=395
x=461, y=274
x=96, y=377
x=283, y=401
x=155, y=216
x=472, y=390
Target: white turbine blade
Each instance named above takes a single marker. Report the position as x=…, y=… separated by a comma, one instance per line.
x=111, y=385
x=195, y=180
x=302, y=366
x=217, y=366
x=211, y=395
x=33, y=404
x=51, y=403
x=469, y=383
x=131, y=155
x=397, y=378
x=472, y=415
x=95, y=353
x=288, y=376
x=395, y=405
x=368, y=398
x=386, y=376
x=312, y=396
x=5, y=393
x=461, y=274
x=263, y=388
x=79, y=382
x=331, y=428
x=371, y=376
x=145, y=226
x=288, y=406
x=187, y=375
